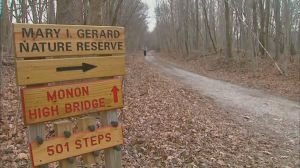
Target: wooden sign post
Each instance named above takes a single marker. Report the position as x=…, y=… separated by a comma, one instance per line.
x=52, y=62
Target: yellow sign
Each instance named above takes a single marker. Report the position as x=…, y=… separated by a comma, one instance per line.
x=53, y=70
x=59, y=148
x=56, y=102
x=34, y=40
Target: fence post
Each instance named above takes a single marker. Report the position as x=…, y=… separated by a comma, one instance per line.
x=86, y=123
x=64, y=128
x=37, y=133
x=112, y=155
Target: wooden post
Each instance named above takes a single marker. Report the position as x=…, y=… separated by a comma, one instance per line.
x=110, y=98
x=85, y=123
x=36, y=132
x=1, y=74
x=64, y=128
x=112, y=155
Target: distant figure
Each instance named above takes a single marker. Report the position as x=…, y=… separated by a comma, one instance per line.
x=145, y=51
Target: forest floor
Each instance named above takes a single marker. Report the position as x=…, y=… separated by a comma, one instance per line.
x=167, y=124
x=240, y=71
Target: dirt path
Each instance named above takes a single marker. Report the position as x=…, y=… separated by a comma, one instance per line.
x=273, y=109
x=167, y=124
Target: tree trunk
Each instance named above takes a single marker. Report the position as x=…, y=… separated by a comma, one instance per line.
x=110, y=11
x=51, y=12
x=95, y=12
x=287, y=41
x=197, y=24
x=17, y=16
x=255, y=26
x=299, y=37
x=277, y=28
x=4, y=26
x=186, y=29
x=33, y=7
x=4, y=23
x=207, y=25
x=173, y=26
x=267, y=24
x=115, y=16
x=228, y=31
x=204, y=30
x=1, y=28
x=24, y=13
x=221, y=22
x=69, y=12
x=213, y=23
x=262, y=27
x=255, y=35
x=40, y=10
x=243, y=37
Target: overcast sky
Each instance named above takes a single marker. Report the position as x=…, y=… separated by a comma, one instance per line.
x=151, y=14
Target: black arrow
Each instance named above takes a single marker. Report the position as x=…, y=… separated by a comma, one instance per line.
x=84, y=67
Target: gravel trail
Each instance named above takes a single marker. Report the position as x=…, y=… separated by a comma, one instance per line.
x=273, y=109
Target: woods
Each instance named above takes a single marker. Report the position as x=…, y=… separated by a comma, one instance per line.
x=230, y=27
x=256, y=28
x=127, y=13
x=217, y=85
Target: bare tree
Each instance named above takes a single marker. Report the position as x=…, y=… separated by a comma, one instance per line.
x=33, y=6
x=277, y=28
x=186, y=25
x=268, y=13
x=69, y=12
x=287, y=33
x=262, y=26
x=51, y=12
x=197, y=24
x=299, y=35
x=228, y=30
x=207, y=25
x=186, y=29
x=5, y=26
x=1, y=27
x=16, y=14
x=115, y=15
x=24, y=12
x=95, y=12
x=255, y=34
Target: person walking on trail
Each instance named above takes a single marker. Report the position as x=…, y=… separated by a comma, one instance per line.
x=145, y=51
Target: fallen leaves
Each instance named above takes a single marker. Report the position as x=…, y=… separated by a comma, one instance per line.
x=166, y=124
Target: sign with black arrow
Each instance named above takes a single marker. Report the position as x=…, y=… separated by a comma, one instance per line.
x=53, y=70
x=52, y=61
x=84, y=68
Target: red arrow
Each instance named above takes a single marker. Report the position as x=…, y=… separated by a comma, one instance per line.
x=115, y=91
